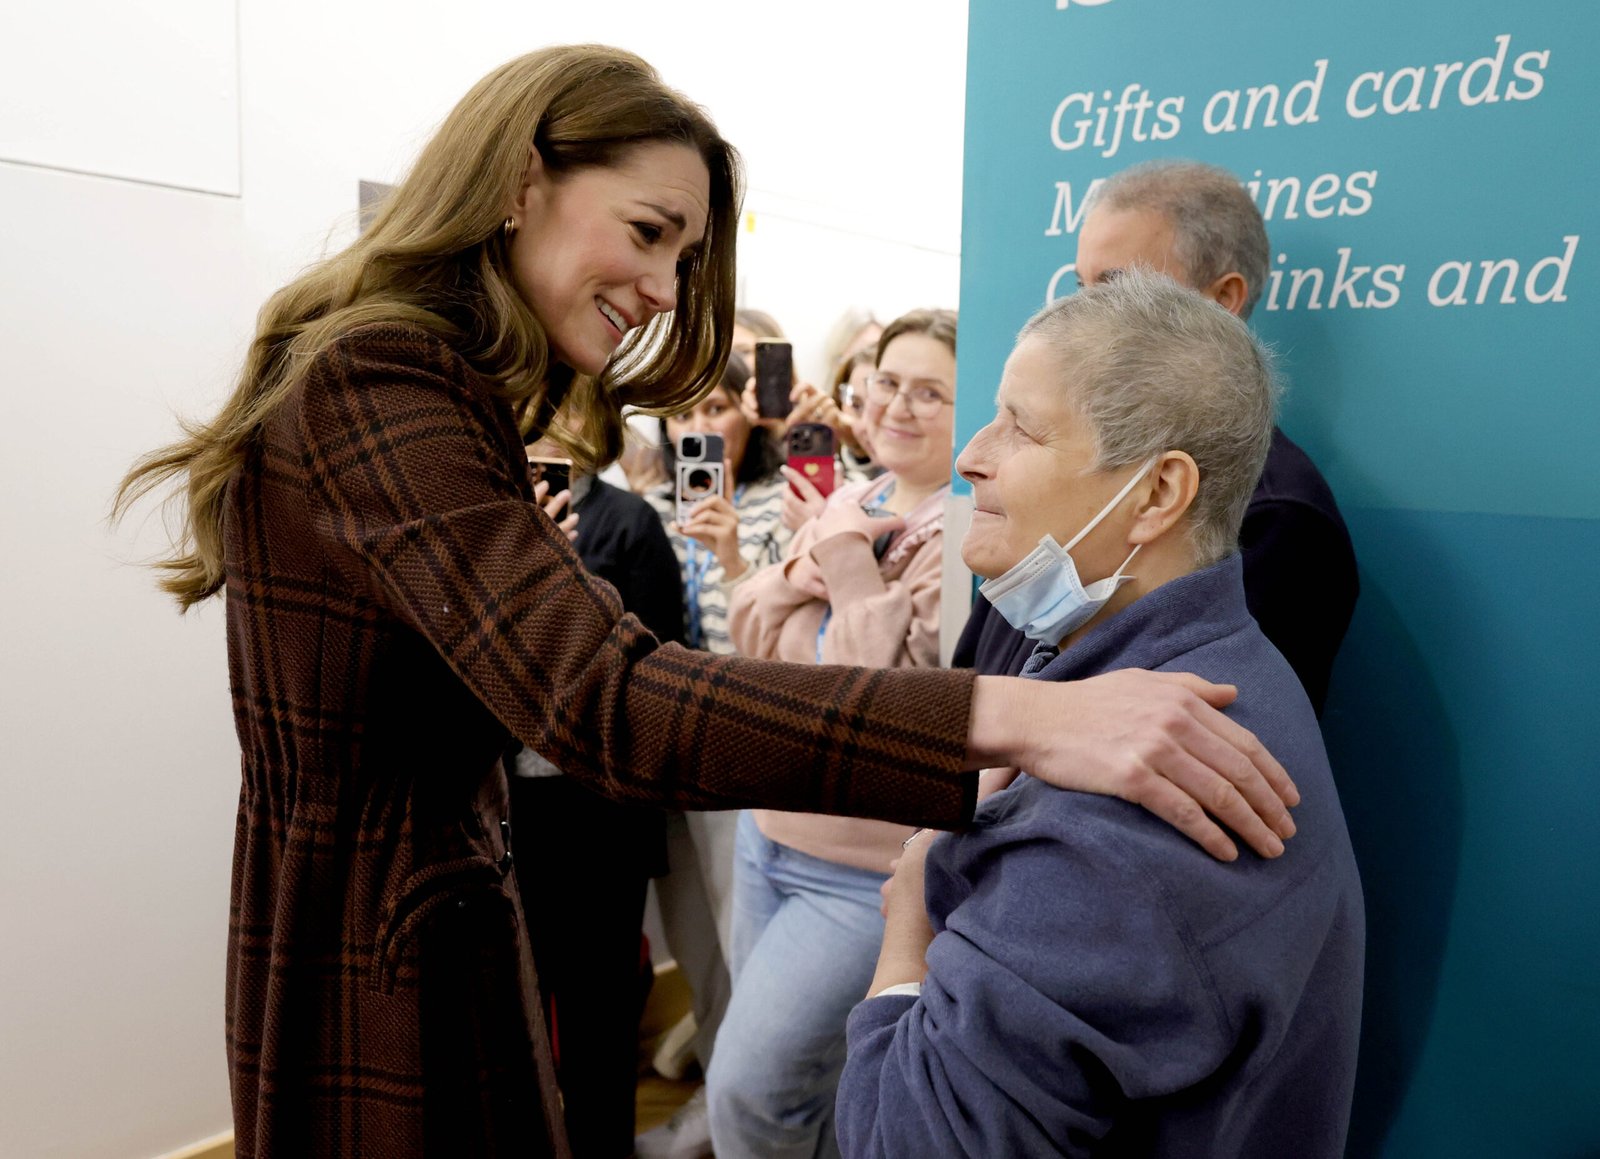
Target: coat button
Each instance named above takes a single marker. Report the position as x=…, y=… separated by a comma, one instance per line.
x=505, y=840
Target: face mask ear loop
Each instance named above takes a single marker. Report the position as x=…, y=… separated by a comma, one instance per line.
x=1112, y=506
x=1124, y=565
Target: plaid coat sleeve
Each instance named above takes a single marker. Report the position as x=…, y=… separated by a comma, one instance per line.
x=419, y=491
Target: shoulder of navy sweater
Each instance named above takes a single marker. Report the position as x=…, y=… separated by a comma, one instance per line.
x=1212, y=902
x=1215, y=900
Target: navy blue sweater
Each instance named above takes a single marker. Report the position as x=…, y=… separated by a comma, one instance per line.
x=1099, y=985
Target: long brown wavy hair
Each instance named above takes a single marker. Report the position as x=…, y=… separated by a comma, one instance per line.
x=436, y=256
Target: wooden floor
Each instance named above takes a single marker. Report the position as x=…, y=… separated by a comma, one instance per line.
x=659, y=1099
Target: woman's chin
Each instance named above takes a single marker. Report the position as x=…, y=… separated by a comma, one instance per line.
x=580, y=360
x=981, y=557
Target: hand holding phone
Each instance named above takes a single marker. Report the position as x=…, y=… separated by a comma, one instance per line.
x=877, y=526
x=555, y=472
x=700, y=470
x=810, y=453
x=555, y=476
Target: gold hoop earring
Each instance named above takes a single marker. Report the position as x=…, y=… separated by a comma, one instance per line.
x=510, y=227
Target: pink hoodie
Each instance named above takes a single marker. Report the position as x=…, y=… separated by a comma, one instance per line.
x=885, y=614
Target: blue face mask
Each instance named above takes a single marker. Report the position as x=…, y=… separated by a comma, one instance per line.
x=1042, y=596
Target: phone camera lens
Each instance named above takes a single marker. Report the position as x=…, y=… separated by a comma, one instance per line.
x=692, y=447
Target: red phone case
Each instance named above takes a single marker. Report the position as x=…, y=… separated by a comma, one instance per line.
x=818, y=470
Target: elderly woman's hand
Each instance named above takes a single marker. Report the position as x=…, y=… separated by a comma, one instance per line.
x=907, y=932
x=906, y=876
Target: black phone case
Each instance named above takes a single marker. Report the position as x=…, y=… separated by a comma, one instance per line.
x=774, y=379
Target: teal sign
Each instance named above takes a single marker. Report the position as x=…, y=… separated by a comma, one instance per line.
x=1428, y=173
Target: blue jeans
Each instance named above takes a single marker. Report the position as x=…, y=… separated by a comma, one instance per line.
x=804, y=945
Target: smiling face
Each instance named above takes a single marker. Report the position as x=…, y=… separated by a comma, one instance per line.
x=717, y=414
x=915, y=448
x=596, y=251
x=1033, y=474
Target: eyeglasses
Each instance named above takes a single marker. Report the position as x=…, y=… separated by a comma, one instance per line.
x=924, y=400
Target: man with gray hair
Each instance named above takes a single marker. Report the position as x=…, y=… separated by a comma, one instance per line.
x=1069, y=975
x=1197, y=224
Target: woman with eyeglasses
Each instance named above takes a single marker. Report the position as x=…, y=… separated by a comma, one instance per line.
x=859, y=585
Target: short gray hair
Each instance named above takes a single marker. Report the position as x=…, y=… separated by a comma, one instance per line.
x=1153, y=366
x=1216, y=227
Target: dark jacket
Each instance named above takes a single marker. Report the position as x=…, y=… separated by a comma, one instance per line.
x=1300, y=579
x=620, y=540
x=1100, y=985
x=398, y=610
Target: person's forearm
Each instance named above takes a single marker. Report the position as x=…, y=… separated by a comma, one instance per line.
x=904, y=954
x=848, y=567
x=998, y=726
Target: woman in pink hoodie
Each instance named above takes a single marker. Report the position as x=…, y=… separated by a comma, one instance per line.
x=859, y=585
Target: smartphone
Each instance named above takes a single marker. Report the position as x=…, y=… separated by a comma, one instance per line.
x=699, y=470
x=880, y=546
x=556, y=472
x=774, y=378
x=810, y=451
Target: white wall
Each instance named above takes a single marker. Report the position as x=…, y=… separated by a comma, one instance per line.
x=143, y=91
x=123, y=300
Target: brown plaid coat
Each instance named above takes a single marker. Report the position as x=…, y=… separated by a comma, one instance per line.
x=398, y=610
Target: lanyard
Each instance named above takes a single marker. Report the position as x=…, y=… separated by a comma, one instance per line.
x=697, y=564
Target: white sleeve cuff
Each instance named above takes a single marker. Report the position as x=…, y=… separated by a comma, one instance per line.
x=909, y=989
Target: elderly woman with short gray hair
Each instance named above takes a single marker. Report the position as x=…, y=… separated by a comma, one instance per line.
x=1067, y=976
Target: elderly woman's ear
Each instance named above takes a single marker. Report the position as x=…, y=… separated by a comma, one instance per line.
x=1166, y=494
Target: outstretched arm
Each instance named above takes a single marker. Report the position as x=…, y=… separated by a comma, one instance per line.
x=419, y=495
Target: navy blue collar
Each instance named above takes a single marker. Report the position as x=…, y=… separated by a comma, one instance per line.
x=1178, y=617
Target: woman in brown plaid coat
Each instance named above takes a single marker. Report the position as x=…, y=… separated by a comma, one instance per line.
x=400, y=609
